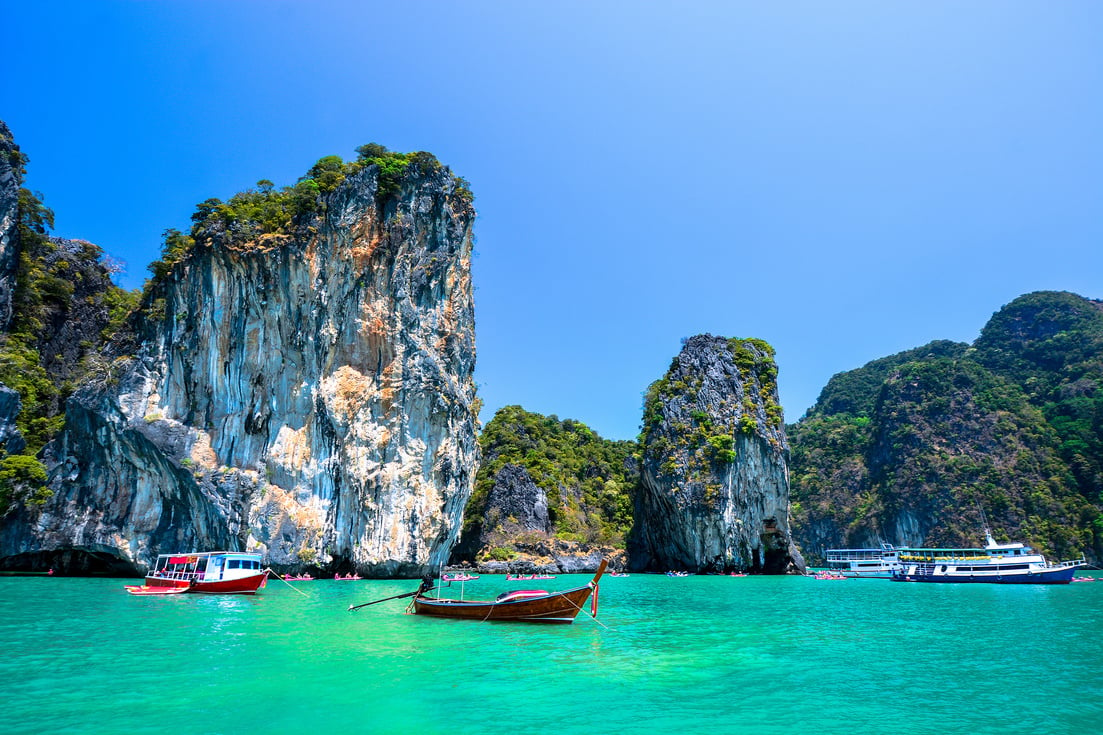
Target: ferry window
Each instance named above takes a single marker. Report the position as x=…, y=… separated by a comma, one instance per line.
x=233, y=564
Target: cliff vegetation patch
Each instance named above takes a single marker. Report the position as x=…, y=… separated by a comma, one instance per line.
x=265, y=210
x=922, y=440
x=588, y=482
x=63, y=305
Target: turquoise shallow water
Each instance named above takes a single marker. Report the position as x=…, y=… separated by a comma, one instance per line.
x=687, y=655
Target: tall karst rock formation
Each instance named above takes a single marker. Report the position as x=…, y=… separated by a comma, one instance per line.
x=298, y=381
x=715, y=486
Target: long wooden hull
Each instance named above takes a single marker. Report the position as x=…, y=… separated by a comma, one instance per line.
x=557, y=607
x=554, y=607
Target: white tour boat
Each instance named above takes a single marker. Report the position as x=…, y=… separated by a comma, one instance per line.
x=1013, y=563
x=863, y=563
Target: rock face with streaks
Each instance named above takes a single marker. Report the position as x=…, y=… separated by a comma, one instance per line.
x=11, y=166
x=517, y=503
x=715, y=485
x=305, y=392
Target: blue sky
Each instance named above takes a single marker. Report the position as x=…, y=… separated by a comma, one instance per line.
x=842, y=179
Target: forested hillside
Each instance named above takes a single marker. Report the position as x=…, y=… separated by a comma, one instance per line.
x=544, y=479
x=908, y=449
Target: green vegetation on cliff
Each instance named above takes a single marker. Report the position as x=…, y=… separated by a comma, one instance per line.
x=907, y=448
x=588, y=480
x=251, y=215
x=53, y=284
x=855, y=392
x=1051, y=344
x=690, y=439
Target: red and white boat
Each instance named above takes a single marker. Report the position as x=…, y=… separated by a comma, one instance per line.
x=206, y=573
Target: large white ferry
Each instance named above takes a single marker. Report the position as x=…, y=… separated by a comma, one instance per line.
x=863, y=563
x=1013, y=563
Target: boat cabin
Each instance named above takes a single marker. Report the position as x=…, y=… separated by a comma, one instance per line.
x=207, y=566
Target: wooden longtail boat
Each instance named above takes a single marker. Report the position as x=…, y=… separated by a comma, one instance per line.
x=531, y=606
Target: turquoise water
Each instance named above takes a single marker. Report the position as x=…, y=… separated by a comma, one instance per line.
x=688, y=655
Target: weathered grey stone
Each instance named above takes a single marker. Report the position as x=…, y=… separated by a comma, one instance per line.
x=715, y=492
x=11, y=441
x=515, y=503
x=307, y=396
x=10, y=180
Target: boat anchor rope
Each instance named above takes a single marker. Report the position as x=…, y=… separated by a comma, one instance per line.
x=593, y=607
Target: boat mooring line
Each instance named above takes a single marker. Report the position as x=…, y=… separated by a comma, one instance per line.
x=592, y=617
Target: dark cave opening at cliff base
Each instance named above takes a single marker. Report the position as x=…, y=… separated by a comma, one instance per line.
x=70, y=562
x=775, y=556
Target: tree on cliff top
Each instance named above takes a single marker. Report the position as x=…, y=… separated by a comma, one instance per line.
x=252, y=214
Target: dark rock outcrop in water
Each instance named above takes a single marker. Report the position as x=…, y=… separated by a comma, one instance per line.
x=306, y=393
x=715, y=493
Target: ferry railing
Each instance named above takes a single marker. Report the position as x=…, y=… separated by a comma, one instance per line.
x=178, y=574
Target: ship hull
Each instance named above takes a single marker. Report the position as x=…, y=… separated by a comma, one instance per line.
x=1061, y=575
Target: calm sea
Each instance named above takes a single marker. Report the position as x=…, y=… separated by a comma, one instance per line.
x=685, y=655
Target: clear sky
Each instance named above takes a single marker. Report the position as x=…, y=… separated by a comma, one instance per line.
x=844, y=180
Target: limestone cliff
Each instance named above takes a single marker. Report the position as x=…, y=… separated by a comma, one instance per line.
x=11, y=167
x=303, y=389
x=715, y=493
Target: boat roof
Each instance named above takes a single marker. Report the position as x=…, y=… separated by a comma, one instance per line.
x=978, y=549
x=190, y=555
x=876, y=551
